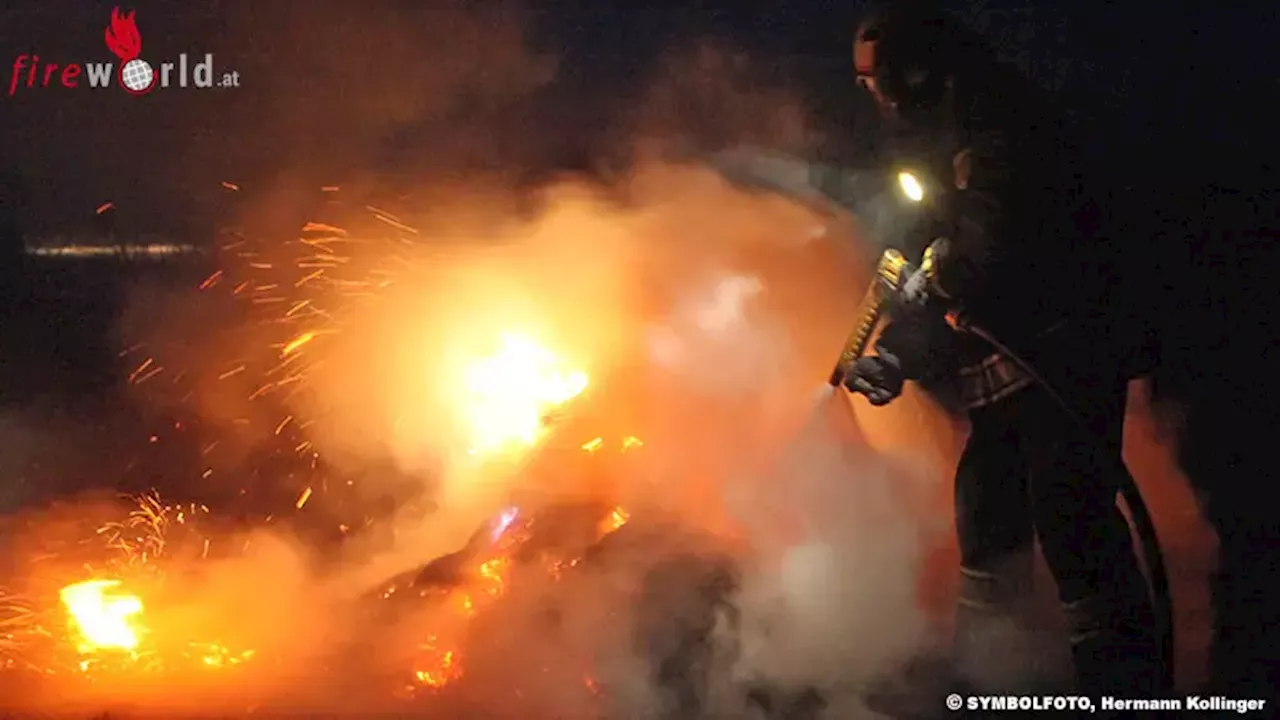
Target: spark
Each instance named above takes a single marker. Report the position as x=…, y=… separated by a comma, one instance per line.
x=17, y=621
x=232, y=372
x=211, y=280
x=322, y=227
x=395, y=224
x=141, y=535
x=297, y=343
x=133, y=377
x=302, y=499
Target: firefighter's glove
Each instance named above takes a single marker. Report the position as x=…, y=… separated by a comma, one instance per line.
x=879, y=377
x=916, y=290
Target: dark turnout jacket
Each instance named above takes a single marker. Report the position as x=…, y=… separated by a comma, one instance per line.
x=1026, y=249
x=1026, y=252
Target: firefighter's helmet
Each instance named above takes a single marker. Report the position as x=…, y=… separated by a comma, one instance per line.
x=904, y=53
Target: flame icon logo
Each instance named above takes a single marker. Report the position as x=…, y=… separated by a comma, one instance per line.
x=136, y=75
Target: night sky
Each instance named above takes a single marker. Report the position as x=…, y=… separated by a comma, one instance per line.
x=330, y=88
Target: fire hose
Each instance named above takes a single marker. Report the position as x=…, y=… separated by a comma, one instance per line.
x=891, y=274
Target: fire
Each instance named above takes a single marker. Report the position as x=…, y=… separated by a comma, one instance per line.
x=109, y=627
x=215, y=655
x=102, y=619
x=440, y=659
x=614, y=522
x=503, y=401
x=511, y=393
x=446, y=668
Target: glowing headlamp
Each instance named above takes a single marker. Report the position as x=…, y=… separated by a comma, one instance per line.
x=911, y=186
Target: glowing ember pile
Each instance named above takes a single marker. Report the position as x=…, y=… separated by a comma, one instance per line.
x=487, y=574
x=440, y=659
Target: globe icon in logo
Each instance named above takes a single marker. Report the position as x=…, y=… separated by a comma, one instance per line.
x=137, y=76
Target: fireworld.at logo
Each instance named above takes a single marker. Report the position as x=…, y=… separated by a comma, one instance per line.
x=135, y=75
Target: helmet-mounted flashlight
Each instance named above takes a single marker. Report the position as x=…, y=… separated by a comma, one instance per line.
x=910, y=186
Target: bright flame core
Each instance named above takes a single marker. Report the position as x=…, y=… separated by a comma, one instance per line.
x=101, y=619
x=511, y=393
x=911, y=186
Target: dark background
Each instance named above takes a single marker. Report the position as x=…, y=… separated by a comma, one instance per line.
x=1185, y=89
x=1180, y=98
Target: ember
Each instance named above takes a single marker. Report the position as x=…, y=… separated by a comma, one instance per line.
x=484, y=579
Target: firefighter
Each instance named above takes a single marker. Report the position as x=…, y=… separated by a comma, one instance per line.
x=1020, y=259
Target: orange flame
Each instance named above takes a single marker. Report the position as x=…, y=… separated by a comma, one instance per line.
x=511, y=393
x=102, y=618
x=122, y=35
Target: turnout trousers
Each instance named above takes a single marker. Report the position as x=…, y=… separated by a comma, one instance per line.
x=1030, y=471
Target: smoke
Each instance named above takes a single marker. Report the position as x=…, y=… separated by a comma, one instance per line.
x=703, y=317
x=341, y=90
x=711, y=96
x=841, y=534
x=706, y=319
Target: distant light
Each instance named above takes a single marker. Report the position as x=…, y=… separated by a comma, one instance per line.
x=88, y=251
x=911, y=186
